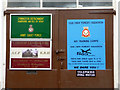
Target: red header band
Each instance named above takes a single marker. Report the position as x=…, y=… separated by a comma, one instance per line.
x=42, y=44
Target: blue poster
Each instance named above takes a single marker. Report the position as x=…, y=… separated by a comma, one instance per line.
x=86, y=44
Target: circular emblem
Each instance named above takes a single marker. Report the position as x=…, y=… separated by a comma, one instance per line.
x=85, y=33
x=31, y=29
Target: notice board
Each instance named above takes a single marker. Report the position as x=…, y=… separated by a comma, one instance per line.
x=86, y=44
x=31, y=26
x=30, y=42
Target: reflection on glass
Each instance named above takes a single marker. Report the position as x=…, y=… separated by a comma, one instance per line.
x=59, y=3
x=23, y=3
x=87, y=3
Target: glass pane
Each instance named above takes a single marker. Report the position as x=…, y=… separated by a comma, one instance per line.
x=59, y=3
x=23, y=3
x=88, y=3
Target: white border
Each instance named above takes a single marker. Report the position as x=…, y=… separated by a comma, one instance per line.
x=10, y=68
x=116, y=43
x=32, y=38
x=54, y=8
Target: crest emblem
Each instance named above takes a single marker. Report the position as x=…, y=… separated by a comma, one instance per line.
x=85, y=32
x=30, y=28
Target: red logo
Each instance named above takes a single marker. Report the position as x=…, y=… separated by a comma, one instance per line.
x=85, y=32
x=31, y=29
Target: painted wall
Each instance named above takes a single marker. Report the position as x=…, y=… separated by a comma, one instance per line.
x=2, y=42
x=118, y=43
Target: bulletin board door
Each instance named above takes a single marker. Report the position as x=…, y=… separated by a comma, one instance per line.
x=18, y=75
x=86, y=36
x=82, y=40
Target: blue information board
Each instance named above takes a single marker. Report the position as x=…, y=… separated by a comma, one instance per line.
x=86, y=44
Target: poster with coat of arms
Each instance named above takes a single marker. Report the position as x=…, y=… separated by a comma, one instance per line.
x=86, y=44
x=30, y=26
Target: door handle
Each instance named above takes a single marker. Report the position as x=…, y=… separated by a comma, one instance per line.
x=60, y=51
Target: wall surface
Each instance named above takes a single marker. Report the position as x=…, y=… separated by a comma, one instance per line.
x=116, y=44
x=119, y=44
x=1, y=19
x=2, y=43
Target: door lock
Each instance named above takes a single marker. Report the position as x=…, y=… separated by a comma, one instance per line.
x=60, y=58
x=60, y=51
